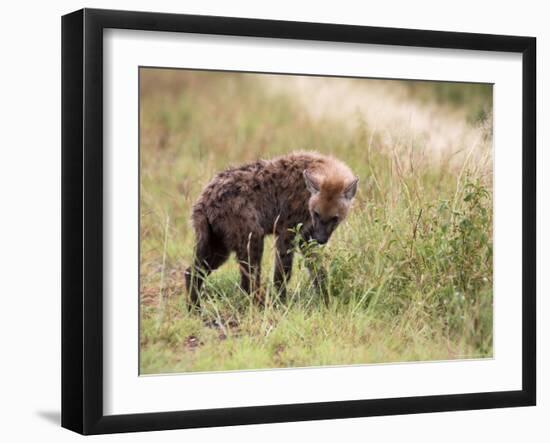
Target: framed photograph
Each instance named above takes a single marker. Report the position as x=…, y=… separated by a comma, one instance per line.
x=268, y=221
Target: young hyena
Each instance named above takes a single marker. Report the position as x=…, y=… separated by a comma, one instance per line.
x=242, y=205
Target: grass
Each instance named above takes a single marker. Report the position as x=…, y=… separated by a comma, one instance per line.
x=475, y=99
x=410, y=271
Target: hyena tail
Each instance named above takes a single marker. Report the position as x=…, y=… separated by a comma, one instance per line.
x=210, y=253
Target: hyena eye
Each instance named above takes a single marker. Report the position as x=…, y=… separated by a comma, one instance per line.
x=334, y=219
x=316, y=214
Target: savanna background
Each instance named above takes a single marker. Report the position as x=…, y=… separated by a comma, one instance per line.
x=410, y=271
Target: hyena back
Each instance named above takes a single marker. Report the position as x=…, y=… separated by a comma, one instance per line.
x=242, y=205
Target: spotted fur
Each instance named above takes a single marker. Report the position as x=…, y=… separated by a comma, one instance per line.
x=241, y=205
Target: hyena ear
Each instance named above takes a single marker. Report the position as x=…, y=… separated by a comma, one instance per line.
x=311, y=183
x=351, y=189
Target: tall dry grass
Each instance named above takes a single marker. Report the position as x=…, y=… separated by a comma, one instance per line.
x=410, y=272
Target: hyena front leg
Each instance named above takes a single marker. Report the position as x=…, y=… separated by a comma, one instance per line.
x=318, y=273
x=250, y=260
x=284, y=255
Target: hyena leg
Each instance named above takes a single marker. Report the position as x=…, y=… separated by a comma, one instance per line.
x=316, y=270
x=283, y=264
x=209, y=255
x=250, y=259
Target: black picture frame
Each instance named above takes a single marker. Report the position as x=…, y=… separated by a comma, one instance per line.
x=82, y=219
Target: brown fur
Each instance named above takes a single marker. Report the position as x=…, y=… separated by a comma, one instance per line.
x=241, y=205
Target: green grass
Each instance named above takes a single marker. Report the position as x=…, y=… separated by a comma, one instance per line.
x=410, y=271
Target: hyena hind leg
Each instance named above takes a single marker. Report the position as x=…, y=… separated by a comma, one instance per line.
x=209, y=255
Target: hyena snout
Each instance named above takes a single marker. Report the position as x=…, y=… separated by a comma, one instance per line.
x=323, y=226
x=321, y=234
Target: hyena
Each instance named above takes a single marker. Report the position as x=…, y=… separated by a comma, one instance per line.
x=242, y=205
